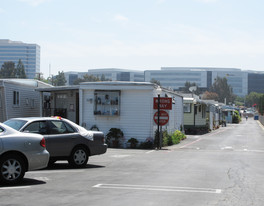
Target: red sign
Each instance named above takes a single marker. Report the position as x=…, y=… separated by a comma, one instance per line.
x=165, y=103
x=163, y=118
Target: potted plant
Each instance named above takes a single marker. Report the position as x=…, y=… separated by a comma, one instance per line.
x=133, y=143
x=113, y=137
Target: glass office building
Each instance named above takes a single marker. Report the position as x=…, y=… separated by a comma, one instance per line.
x=256, y=82
x=236, y=78
x=176, y=77
x=204, y=77
x=114, y=74
x=28, y=53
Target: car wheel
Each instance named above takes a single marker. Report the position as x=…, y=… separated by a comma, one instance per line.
x=12, y=169
x=79, y=157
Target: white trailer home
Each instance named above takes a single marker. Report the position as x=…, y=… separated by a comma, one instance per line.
x=194, y=114
x=124, y=105
x=127, y=106
x=18, y=98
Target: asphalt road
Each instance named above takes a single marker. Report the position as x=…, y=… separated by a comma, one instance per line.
x=224, y=167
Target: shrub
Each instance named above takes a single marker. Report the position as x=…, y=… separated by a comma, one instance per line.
x=236, y=117
x=148, y=144
x=133, y=143
x=177, y=136
x=113, y=136
x=167, y=140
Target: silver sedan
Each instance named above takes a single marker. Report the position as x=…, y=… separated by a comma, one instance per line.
x=19, y=153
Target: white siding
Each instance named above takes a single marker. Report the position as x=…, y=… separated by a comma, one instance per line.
x=29, y=101
x=136, y=114
x=136, y=110
x=175, y=115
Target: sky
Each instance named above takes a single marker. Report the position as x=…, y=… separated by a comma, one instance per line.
x=78, y=35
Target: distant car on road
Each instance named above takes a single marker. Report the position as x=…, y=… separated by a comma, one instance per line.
x=65, y=140
x=19, y=153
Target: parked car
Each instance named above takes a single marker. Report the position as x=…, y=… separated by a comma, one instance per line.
x=19, y=153
x=65, y=140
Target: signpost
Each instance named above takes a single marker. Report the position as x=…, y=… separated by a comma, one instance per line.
x=165, y=103
x=163, y=117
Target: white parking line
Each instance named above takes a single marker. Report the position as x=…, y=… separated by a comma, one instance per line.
x=42, y=179
x=190, y=143
x=227, y=148
x=55, y=171
x=13, y=188
x=150, y=151
x=120, y=156
x=158, y=188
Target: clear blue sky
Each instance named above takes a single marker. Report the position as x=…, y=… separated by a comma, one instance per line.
x=77, y=35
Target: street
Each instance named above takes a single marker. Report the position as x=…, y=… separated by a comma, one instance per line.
x=224, y=167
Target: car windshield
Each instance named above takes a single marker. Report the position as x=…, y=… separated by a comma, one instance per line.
x=15, y=123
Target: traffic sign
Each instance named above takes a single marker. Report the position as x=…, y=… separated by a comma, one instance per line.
x=163, y=118
x=165, y=103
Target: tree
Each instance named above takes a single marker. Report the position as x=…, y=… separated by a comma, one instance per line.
x=86, y=78
x=260, y=105
x=60, y=79
x=20, y=70
x=154, y=81
x=8, y=70
x=240, y=101
x=252, y=98
x=187, y=86
x=223, y=89
x=210, y=95
x=103, y=78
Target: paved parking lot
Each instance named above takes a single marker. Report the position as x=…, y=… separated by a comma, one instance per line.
x=211, y=169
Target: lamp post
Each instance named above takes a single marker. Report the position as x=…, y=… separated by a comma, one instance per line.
x=159, y=91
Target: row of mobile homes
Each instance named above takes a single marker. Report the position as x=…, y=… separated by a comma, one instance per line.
x=127, y=106
x=18, y=98
x=194, y=115
x=228, y=112
x=213, y=114
x=201, y=115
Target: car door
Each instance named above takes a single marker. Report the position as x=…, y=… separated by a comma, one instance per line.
x=60, y=139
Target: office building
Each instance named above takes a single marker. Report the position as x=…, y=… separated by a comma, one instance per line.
x=16, y=50
x=242, y=82
x=255, y=81
x=114, y=74
x=176, y=77
x=236, y=78
x=107, y=74
x=72, y=76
